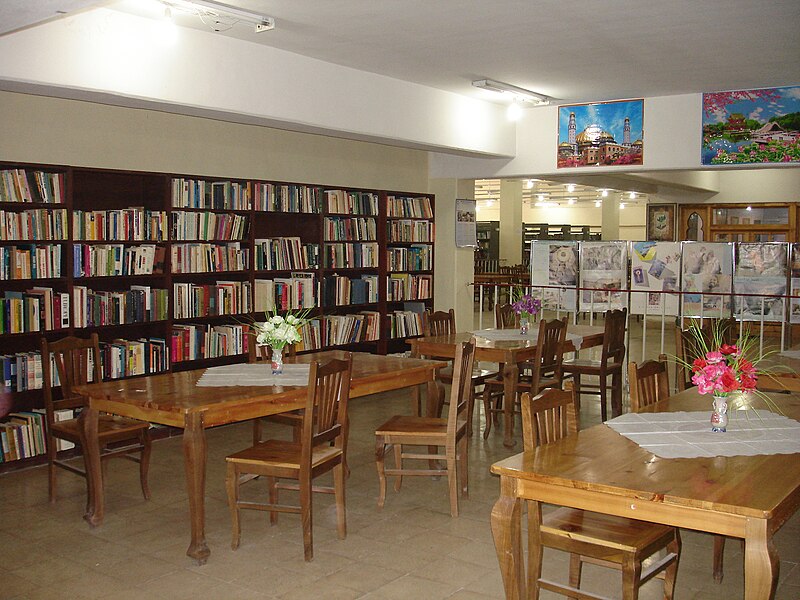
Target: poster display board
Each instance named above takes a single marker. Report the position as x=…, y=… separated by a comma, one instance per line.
x=603, y=268
x=655, y=268
x=466, y=228
x=761, y=272
x=706, y=280
x=555, y=263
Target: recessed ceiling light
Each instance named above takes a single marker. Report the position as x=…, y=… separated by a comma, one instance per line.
x=632, y=195
x=598, y=204
x=621, y=205
x=604, y=193
x=749, y=208
x=570, y=187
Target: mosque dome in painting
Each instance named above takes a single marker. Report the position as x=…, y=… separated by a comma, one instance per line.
x=593, y=134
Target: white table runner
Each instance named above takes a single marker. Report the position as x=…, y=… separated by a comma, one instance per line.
x=689, y=435
x=511, y=335
x=257, y=374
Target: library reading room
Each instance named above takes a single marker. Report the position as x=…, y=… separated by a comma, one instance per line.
x=399, y=300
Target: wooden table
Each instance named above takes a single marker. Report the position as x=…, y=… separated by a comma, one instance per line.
x=507, y=353
x=174, y=399
x=748, y=497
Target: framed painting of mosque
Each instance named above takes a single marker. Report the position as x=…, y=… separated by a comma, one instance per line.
x=601, y=134
x=759, y=126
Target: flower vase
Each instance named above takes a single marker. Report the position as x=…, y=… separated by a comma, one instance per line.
x=719, y=415
x=523, y=326
x=277, y=361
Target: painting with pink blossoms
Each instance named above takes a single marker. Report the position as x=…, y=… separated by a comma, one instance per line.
x=751, y=126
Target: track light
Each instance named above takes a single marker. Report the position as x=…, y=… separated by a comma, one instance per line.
x=220, y=16
x=517, y=92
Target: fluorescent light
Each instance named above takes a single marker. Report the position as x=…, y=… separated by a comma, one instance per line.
x=570, y=187
x=604, y=193
x=211, y=8
x=598, y=204
x=514, y=111
x=517, y=92
x=632, y=195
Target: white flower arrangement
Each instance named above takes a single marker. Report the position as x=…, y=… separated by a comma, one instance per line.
x=278, y=331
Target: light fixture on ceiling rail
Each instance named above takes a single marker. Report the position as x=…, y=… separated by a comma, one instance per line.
x=517, y=93
x=220, y=16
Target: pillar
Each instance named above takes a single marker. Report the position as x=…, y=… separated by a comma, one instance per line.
x=610, y=223
x=510, y=222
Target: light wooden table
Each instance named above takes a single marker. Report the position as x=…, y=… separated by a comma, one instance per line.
x=747, y=497
x=174, y=399
x=509, y=353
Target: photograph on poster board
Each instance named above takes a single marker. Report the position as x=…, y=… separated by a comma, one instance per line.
x=601, y=134
x=707, y=269
x=751, y=126
x=555, y=264
x=603, y=269
x=760, y=274
x=661, y=222
x=655, y=268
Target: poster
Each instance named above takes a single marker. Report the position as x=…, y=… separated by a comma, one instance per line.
x=603, y=267
x=555, y=263
x=661, y=222
x=466, y=229
x=655, y=268
x=761, y=273
x=706, y=280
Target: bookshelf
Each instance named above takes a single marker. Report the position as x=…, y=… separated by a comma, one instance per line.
x=168, y=269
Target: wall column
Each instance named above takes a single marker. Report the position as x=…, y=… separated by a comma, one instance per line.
x=454, y=267
x=610, y=222
x=510, y=221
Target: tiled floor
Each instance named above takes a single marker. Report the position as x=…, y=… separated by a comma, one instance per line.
x=412, y=549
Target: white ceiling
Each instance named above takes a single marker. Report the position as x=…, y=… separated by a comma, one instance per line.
x=583, y=50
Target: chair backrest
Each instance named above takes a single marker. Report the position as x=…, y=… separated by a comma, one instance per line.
x=648, y=383
x=505, y=317
x=439, y=322
x=614, y=336
x=687, y=348
x=75, y=358
x=461, y=389
x=548, y=417
x=550, y=350
x=325, y=415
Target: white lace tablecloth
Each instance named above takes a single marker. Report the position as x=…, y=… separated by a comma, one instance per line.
x=513, y=335
x=689, y=435
x=254, y=374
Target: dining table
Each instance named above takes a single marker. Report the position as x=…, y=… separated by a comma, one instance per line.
x=508, y=348
x=598, y=469
x=176, y=400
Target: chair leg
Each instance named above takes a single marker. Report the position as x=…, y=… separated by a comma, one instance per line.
x=339, y=476
x=487, y=411
x=719, y=556
x=575, y=569
x=452, y=481
x=306, y=516
x=256, y=431
x=603, y=398
x=631, y=577
x=51, y=468
x=576, y=377
x=398, y=463
x=144, y=462
x=535, y=549
x=232, y=485
x=470, y=411
x=671, y=572
x=272, y=487
x=380, y=452
x=464, y=466
x=616, y=394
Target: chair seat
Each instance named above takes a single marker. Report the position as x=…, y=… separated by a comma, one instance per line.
x=293, y=418
x=588, y=365
x=110, y=428
x=281, y=454
x=402, y=425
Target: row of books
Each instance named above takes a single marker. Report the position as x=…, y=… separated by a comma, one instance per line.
x=135, y=224
x=341, y=291
x=195, y=342
x=22, y=436
x=351, y=255
x=285, y=293
x=403, y=286
x=350, y=329
x=350, y=229
x=107, y=260
x=413, y=258
x=416, y=208
x=34, y=224
x=274, y=197
x=30, y=262
x=285, y=254
x=208, y=226
x=405, y=323
x=37, y=309
x=352, y=203
x=203, y=300
x=208, y=258
x=408, y=230
x=22, y=185
x=139, y=304
x=218, y=195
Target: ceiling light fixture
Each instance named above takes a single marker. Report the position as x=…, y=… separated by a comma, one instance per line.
x=604, y=193
x=570, y=187
x=220, y=16
x=632, y=195
x=598, y=204
x=517, y=93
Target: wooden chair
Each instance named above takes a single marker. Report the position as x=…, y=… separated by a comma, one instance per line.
x=321, y=449
x=505, y=317
x=648, y=383
x=544, y=371
x=589, y=537
x=73, y=358
x=450, y=433
x=444, y=323
x=610, y=364
x=294, y=419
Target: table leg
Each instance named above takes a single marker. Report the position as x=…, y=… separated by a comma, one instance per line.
x=507, y=533
x=194, y=460
x=95, y=509
x=760, y=561
x=510, y=377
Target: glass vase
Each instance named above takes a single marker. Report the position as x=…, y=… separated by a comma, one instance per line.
x=277, y=361
x=523, y=326
x=719, y=414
